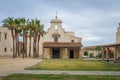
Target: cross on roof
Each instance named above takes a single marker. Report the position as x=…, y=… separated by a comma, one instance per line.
x=56, y=15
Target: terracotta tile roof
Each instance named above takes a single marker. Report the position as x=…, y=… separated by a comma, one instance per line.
x=62, y=44
x=90, y=48
x=111, y=45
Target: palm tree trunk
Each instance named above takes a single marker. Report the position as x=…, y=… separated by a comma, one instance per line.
x=13, y=47
x=18, y=47
x=38, y=49
x=16, y=38
x=30, y=46
x=38, y=45
x=34, y=46
x=13, y=36
x=13, y=42
x=23, y=43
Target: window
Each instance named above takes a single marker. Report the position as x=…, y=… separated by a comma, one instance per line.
x=55, y=39
x=72, y=41
x=0, y=36
x=56, y=27
x=5, y=35
x=5, y=49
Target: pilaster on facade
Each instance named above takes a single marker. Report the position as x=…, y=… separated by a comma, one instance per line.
x=107, y=54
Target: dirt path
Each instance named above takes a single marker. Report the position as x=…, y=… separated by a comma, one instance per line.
x=9, y=64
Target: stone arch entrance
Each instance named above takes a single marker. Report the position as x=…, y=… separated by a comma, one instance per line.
x=71, y=54
x=56, y=53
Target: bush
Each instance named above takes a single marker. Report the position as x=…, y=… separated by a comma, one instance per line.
x=86, y=53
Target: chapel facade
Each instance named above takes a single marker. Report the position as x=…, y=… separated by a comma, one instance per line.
x=57, y=43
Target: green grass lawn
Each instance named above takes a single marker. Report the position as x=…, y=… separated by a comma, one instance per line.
x=84, y=65
x=58, y=77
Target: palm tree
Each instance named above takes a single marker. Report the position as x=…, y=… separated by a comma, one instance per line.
x=30, y=37
x=23, y=24
x=34, y=26
x=9, y=23
x=30, y=32
x=17, y=32
x=41, y=32
x=35, y=31
x=36, y=23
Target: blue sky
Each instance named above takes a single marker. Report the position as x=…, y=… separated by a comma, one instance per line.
x=96, y=21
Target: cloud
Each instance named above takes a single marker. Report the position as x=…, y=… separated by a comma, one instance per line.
x=92, y=25
x=95, y=21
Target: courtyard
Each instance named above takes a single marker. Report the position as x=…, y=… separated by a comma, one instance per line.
x=57, y=69
x=9, y=64
x=74, y=64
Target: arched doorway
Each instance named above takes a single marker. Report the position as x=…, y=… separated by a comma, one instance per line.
x=56, y=53
x=71, y=54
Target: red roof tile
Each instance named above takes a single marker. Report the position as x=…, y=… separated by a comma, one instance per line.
x=62, y=44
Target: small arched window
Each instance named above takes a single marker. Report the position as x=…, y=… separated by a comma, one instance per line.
x=72, y=41
x=5, y=49
x=56, y=27
x=55, y=39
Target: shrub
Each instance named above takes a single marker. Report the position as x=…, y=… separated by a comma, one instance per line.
x=86, y=53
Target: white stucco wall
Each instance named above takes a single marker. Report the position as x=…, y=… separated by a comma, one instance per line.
x=64, y=36
x=5, y=43
x=118, y=35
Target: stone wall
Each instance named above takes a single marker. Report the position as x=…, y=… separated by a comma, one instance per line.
x=47, y=53
x=6, y=43
x=64, y=53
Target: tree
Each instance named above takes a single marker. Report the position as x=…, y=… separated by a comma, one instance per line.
x=86, y=53
x=99, y=50
x=41, y=32
x=35, y=31
x=17, y=32
x=9, y=23
x=36, y=25
x=30, y=34
x=24, y=26
x=33, y=27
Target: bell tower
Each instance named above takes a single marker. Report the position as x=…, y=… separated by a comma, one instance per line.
x=56, y=25
x=118, y=34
